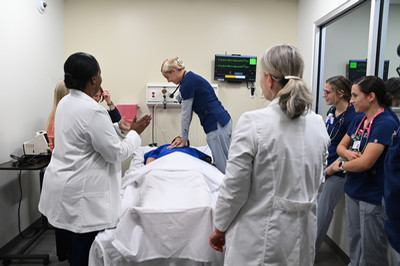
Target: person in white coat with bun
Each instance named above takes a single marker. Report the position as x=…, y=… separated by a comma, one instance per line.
x=267, y=202
x=83, y=180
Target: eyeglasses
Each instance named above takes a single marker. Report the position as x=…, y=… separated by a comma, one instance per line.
x=326, y=92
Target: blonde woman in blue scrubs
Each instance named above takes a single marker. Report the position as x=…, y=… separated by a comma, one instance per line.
x=197, y=95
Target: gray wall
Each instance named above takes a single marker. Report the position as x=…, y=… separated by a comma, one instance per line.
x=31, y=58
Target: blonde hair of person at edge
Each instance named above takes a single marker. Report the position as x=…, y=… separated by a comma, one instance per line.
x=266, y=208
x=59, y=92
x=197, y=95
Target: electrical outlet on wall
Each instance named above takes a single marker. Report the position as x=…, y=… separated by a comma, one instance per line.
x=153, y=94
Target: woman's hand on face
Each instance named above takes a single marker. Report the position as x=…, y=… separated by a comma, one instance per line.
x=123, y=125
x=140, y=126
x=107, y=96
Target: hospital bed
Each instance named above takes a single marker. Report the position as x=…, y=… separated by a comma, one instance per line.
x=166, y=215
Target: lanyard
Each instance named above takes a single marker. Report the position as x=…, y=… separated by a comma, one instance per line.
x=368, y=127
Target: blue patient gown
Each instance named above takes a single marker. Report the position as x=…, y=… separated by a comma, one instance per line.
x=162, y=151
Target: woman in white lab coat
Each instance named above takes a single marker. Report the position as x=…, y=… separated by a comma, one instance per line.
x=82, y=182
x=267, y=202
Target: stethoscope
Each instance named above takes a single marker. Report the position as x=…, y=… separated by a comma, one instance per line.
x=177, y=88
x=363, y=133
x=329, y=121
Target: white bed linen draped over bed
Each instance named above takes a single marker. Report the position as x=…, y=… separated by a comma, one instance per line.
x=166, y=216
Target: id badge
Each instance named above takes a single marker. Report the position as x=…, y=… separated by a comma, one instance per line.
x=329, y=119
x=356, y=145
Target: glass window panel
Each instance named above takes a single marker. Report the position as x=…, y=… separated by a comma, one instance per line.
x=346, y=38
x=391, y=44
x=392, y=38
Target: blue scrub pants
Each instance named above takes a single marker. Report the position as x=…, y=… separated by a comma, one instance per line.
x=367, y=238
x=219, y=141
x=332, y=191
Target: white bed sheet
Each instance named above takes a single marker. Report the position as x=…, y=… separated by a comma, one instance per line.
x=166, y=216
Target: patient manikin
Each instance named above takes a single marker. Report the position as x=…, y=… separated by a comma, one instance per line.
x=167, y=149
x=166, y=215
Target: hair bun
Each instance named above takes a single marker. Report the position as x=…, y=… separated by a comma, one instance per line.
x=180, y=62
x=69, y=81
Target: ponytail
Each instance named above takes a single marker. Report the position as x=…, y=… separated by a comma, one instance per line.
x=295, y=99
x=285, y=65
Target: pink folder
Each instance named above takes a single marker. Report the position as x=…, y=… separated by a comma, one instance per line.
x=128, y=110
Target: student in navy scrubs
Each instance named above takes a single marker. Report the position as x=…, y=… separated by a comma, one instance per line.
x=392, y=192
x=337, y=92
x=392, y=177
x=365, y=145
x=197, y=95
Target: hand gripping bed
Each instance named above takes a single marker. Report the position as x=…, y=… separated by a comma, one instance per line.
x=166, y=216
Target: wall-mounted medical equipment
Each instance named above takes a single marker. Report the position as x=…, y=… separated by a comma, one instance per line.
x=38, y=145
x=159, y=94
x=235, y=68
x=358, y=69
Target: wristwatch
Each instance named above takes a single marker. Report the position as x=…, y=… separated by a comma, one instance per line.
x=341, y=164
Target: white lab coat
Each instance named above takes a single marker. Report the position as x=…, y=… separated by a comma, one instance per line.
x=267, y=202
x=81, y=188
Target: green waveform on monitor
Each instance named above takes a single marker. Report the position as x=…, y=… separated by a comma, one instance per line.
x=233, y=66
x=248, y=61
